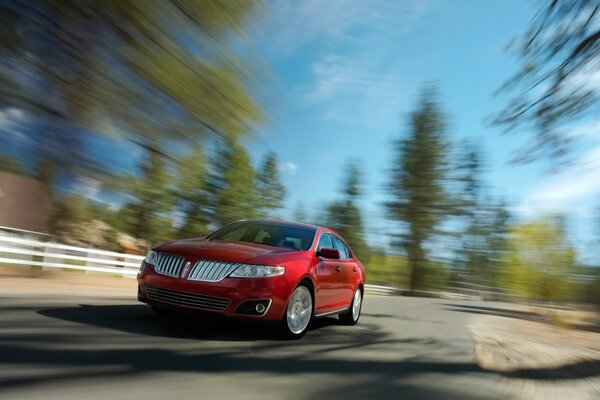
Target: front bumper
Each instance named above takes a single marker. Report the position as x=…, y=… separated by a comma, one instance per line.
x=228, y=297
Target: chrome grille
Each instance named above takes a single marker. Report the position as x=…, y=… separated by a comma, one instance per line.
x=187, y=299
x=168, y=264
x=211, y=271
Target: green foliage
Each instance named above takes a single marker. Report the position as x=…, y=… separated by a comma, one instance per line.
x=591, y=291
x=153, y=201
x=151, y=72
x=233, y=186
x=69, y=219
x=11, y=165
x=418, y=196
x=345, y=217
x=386, y=269
x=559, y=51
x=192, y=198
x=270, y=190
x=484, y=238
x=300, y=215
x=539, y=262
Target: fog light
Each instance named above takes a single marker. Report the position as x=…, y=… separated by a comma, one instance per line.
x=260, y=308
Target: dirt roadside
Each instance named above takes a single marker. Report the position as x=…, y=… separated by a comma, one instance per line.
x=538, y=360
x=18, y=280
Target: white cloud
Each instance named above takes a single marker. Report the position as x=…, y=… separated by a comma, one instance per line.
x=88, y=188
x=288, y=167
x=295, y=24
x=335, y=75
x=587, y=130
x=10, y=119
x=573, y=191
x=10, y=115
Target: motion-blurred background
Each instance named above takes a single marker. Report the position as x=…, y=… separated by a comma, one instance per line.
x=128, y=123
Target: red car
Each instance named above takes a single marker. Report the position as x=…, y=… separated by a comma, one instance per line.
x=266, y=270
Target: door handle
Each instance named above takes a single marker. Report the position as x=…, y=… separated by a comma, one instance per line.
x=354, y=269
x=338, y=268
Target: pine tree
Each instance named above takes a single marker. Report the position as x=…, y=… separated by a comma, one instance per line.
x=191, y=194
x=233, y=186
x=418, y=196
x=270, y=190
x=345, y=217
x=300, y=214
x=153, y=201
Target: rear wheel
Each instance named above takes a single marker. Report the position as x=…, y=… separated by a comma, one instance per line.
x=298, y=313
x=351, y=316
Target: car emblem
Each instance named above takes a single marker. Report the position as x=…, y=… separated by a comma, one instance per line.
x=185, y=269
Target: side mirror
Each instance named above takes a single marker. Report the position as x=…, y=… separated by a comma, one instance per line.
x=334, y=254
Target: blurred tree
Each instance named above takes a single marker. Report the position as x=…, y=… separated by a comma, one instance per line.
x=149, y=72
x=68, y=223
x=418, y=196
x=45, y=172
x=591, y=291
x=153, y=201
x=270, y=190
x=233, y=186
x=11, y=164
x=191, y=194
x=344, y=216
x=385, y=268
x=539, y=261
x=560, y=59
x=484, y=237
x=300, y=214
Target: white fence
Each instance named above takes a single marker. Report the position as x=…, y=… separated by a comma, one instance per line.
x=28, y=252
x=20, y=251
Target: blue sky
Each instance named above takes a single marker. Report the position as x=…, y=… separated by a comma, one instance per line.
x=347, y=73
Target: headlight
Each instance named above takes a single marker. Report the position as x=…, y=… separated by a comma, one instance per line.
x=151, y=257
x=257, y=271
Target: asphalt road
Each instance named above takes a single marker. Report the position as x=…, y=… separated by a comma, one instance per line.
x=116, y=348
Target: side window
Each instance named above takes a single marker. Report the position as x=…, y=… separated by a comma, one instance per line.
x=338, y=244
x=325, y=242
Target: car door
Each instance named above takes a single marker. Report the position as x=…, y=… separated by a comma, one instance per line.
x=346, y=268
x=328, y=280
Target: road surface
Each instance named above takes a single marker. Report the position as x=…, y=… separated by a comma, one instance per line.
x=62, y=347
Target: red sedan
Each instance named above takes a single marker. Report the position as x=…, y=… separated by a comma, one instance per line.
x=267, y=270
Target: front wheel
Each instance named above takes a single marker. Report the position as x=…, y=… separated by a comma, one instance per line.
x=298, y=313
x=351, y=316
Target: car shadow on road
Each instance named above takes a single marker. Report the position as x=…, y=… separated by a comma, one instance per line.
x=139, y=319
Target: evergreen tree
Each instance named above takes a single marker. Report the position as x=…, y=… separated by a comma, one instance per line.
x=344, y=216
x=191, y=194
x=417, y=186
x=46, y=172
x=270, y=191
x=233, y=186
x=300, y=214
x=153, y=202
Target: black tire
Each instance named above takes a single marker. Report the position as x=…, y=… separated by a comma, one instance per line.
x=298, y=307
x=350, y=317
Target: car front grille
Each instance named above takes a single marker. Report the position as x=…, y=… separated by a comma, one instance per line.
x=187, y=299
x=211, y=271
x=168, y=264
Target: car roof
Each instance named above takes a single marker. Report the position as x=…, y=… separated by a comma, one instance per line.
x=282, y=222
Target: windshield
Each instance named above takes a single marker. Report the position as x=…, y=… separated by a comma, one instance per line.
x=270, y=234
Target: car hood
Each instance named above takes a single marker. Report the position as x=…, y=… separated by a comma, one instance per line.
x=197, y=249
